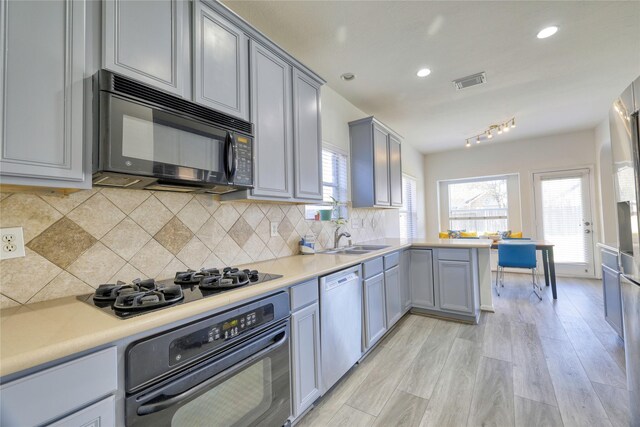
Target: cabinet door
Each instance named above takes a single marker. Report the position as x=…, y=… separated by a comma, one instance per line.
x=271, y=113
x=100, y=414
x=307, y=138
x=612, y=298
x=421, y=278
x=381, y=166
x=392, y=294
x=41, y=95
x=405, y=287
x=144, y=40
x=221, y=67
x=455, y=286
x=305, y=338
x=395, y=171
x=375, y=318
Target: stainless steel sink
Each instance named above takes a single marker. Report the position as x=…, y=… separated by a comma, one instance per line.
x=354, y=250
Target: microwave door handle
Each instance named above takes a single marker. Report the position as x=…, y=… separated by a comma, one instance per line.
x=234, y=160
x=276, y=340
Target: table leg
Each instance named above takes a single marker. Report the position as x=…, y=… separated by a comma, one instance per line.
x=545, y=263
x=552, y=273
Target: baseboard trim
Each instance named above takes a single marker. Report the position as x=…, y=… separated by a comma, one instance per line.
x=488, y=308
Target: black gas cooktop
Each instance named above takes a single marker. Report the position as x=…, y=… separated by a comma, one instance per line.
x=126, y=300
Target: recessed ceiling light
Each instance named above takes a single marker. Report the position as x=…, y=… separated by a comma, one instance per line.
x=348, y=77
x=423, y=72
x=547, y=32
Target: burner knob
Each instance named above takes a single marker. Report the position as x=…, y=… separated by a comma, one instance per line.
x=226, y=269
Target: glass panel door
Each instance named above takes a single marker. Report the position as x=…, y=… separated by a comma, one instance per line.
x=563, y=217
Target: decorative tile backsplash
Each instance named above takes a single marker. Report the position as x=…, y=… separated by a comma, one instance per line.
x=76, y=242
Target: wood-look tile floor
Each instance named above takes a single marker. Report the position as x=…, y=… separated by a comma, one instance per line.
x=531, y=363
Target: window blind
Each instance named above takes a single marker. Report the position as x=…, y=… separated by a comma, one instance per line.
x=408, y=212
x=334, y=183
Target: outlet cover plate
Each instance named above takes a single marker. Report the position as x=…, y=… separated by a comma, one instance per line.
x=274, y=228
x=14, y=238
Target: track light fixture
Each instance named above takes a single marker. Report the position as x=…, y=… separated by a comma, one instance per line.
x=497, y=128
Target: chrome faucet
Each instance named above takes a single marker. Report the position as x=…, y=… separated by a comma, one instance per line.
x=337, y=236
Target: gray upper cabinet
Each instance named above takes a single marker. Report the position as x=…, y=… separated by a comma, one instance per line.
x=307, y=137
x=395, y=171
x=220, y=63
x=421, y=278
x=455, y=286
x=144, y=40
x=271, y=112
x=42, y=98
x=376, y=167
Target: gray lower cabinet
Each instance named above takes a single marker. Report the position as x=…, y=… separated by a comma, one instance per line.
x=271, y=114
x=375, y=321
x=395, y=171
x=405, y=283
x=145, y=40
x=455, y=286
x=421, y=278
x=100, y=414
x=220, y=63
x=393, y=297
x=612, y=298
x=41, y=95
x=305, y=361
x=307, y=137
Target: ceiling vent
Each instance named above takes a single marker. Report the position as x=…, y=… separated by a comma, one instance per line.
x=472, y=80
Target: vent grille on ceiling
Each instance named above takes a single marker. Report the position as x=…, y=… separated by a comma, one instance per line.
x=472, y=80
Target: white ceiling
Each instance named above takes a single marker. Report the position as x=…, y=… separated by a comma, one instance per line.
x=563, y=83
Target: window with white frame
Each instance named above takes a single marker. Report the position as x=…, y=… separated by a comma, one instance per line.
x=480, y=205
x=334, y=184
x=408, y=212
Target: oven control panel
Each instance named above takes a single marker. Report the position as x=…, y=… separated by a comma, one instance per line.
x=215, y=335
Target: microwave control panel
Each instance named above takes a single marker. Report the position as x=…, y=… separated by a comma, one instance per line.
x=244, y=154
x=215, y=335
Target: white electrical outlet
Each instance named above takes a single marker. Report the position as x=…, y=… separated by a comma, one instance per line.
x=274, y=228
x=11, y=243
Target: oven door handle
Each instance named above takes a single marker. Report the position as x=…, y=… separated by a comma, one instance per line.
x=275, y=340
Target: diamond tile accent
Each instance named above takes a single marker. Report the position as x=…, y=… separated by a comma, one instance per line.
x=211, y=233
x=254, y=246
x=227, y=250
x=253, y=215
x=174, y=235
x=208, y=202
x=66, y=203
x=241, y=231
x=97, y=265
x=193, y=215
x=285, y=228
x=23, y=277
x=151, y=215
x=126, y=200
x=151, y=259
x=27, y=211
x=63, y=285
x=226, y=215
x=174, y=201
x=126, y=238
x=194, y=253
x=62, y=243
x=97, y=215
x=294, y=215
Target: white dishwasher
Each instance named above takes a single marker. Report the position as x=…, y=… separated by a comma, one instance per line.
x=340, y=323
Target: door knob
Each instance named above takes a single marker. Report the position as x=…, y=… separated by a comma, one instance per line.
x=587, y=223
x=587, y=231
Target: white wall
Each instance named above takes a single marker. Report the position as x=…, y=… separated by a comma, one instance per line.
x=604, y=173
x=522, y=157
x=337, y=112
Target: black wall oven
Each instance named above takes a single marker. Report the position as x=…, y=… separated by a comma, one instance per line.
x=231, y=369
x=146, y=138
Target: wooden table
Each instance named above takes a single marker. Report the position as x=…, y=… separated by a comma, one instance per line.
x=546, y=248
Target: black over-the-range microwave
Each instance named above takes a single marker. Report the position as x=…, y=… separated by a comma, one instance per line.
x=147, y=138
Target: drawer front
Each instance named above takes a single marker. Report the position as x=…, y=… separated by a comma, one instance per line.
x=59, y=390
x=610, y=259
x=101, y=414
x=454, y=254
x=304, y=294
x=371, y=268
x=391, y=260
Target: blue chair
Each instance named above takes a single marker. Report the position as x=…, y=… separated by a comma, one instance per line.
x=517, y=254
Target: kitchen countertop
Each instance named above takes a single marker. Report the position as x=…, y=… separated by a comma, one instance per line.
x=35, y=334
